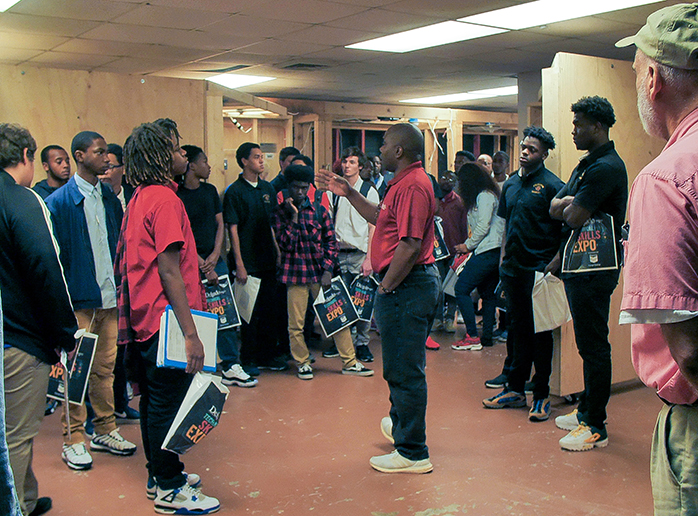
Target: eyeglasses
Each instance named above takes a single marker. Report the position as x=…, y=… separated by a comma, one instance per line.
x=111, y=167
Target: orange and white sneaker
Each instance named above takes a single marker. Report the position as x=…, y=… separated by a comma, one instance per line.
x=584, y=438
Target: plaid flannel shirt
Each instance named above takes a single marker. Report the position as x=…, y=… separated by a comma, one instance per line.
x=308, y=247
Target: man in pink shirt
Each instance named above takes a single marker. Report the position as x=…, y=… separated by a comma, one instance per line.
x=660, y=295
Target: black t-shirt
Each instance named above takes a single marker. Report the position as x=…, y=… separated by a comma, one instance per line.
x=202, y=205
x=250, y=209
x=532, y=235
x=599, y=184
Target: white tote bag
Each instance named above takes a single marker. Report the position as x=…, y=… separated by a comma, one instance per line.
x=550, y=308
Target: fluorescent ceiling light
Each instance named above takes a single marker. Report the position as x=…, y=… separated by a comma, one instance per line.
x=544, y=12
x=234, y=80
x=425, y=37
x=470, y=95
x=6, y=4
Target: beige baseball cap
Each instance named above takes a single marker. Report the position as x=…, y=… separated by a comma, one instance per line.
x=670, y=36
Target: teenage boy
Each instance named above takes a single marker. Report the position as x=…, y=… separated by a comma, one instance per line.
x=531, y=243
x=286, y=156
x=308, y=249
x=37, y=315
x=86, y=217
x=56, y=163
x=354, y=237
x=158, y=263
x=247, y=207
x=203, y=205
x=598, y=184
x=455, y=226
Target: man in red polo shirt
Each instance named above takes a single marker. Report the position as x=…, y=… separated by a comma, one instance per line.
x=402, y=255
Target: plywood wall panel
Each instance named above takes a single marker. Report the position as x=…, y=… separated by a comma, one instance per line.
x=56, y=104
x=568, y=79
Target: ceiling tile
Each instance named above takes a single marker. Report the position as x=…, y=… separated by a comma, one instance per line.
x=136, y=66
x=73, y=61
x=448, y=9
x=162, y=36
x=255, y=27
x=278, y=49
x=331, y=35
x=224, y=6
x=16, y=55
x=97, y=10
x=11, y=22
x=363, y=3
x=636, y=15
x=307, y=11
x=171, y=17
x=30, y=41
x=383, y=21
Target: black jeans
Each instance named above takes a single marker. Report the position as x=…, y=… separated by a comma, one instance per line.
x=589, y=296
x=162, y=392
x=404, y=319
x=529, y=348
x=259, y=336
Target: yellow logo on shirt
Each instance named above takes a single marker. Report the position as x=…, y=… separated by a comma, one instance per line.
x=538, y=188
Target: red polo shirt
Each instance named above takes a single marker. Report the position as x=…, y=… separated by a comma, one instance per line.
x=156, y=220
x=407, y=211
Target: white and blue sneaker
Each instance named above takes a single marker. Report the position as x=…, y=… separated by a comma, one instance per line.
x=151, y=488
x=184, y=500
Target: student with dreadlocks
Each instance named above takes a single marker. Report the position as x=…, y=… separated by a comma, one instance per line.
x=157, y=253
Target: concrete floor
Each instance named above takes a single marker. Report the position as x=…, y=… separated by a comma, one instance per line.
x=291, y=447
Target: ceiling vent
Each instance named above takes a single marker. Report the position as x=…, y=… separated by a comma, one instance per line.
x=233, y=68
x=307, y=67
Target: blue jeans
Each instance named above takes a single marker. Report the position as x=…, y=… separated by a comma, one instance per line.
x=481, y=271
x=228, y=344
x=404, y=319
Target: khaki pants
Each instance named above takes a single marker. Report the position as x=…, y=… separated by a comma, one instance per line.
x=297, y=296
x=26, y=382
x=103, y=323
x=674, y=461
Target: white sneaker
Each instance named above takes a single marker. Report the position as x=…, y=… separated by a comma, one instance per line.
x=305, y=372
x=113, y=443
x=396, y=463
x=358, y=369
x=151, y=488
x=236, y=375
x=387, y=429
x=76, y=456
x=584, y=438
x=184, y=500
x=567, y=422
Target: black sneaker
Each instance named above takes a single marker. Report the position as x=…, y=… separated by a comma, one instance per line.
x=251, y=369
x=499, y=382
x=275, y=364
x=331, y=352
x=363, y=354
x=43, y=505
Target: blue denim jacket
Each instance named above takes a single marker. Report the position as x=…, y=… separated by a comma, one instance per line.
x=70, y=228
